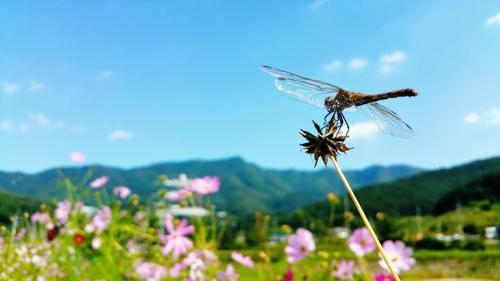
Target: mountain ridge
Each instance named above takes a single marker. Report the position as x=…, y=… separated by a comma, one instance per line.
x=423, y=190
x=245, y=184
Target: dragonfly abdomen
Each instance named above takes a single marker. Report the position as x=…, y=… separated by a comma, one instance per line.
x=361, y=99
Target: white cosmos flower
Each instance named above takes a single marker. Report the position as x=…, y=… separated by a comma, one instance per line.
x=96, y=243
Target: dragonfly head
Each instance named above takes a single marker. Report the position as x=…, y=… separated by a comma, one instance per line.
x=336, y=103
x=331, y=104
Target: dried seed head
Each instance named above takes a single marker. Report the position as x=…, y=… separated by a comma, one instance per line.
x=324, y=145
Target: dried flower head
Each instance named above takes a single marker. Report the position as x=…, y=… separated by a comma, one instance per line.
x=324, y=145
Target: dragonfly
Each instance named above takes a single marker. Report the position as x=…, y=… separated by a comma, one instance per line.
x=335, y=100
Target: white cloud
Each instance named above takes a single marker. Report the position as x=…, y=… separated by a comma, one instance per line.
x=120, y=135
x=388, y=62
x=316, y=4
x=332, y=66
x=386, y=68
x=357, y=64
x=394, y=57
x=40, y=119
x=495, y=115
x=472, y=118
x=105, y=74
x=493, y=20
x=24, y=127
x=35, y=85
x=363, y=130
x=6, y=125
x=488, y=117
x=10, y=88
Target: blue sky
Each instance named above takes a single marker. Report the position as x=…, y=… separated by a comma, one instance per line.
x=131, y=83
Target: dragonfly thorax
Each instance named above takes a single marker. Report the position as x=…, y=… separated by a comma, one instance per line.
x=338, y=102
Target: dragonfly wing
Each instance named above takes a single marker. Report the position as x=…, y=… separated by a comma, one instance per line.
x=302, y=88
x=388, y=121
x=303, y=92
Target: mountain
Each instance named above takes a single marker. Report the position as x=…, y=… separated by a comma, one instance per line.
x=435, y=193
x=475, y=180
x=245, y=187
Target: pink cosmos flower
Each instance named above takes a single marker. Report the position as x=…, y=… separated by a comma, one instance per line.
x=345, y=270
x=99, y=182
x=62, y=211
x=243, y=260
x=102, y=218
x=205, y=185
x=150, y=271
x=399, y=255
x=299, y=245
x=41, y=218
x=20, y=234
x=361, y=242
x=178, y=195
x=122, y=191
x=197, y=271
x=383, y=277
x=175, y=271
x=77, y=156
x=176, y=241
x=206, y=256
x=133, y=247
x=197, y=260
x=79, y=206
x=228, y=275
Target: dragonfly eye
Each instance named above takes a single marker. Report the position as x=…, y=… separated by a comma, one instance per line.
x=330, y=103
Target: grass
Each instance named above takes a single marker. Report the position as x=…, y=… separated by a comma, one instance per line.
x=451, y=222
x=431, y=264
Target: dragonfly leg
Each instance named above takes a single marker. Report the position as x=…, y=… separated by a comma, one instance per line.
x=328, y=121
x=325, y=122
x=343, y=121
x=347, y=125
x=340, y=119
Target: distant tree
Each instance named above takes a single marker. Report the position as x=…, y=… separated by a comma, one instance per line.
x=471, y=229
x=387, y=230
x=486, y=187
x=430, y=243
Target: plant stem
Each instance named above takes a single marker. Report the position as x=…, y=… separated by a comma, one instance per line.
x=364, y=269
x=332, y=214
x=365, y=219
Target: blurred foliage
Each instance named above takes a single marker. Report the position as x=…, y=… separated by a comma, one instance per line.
x=11, y=204
x=486, y=187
